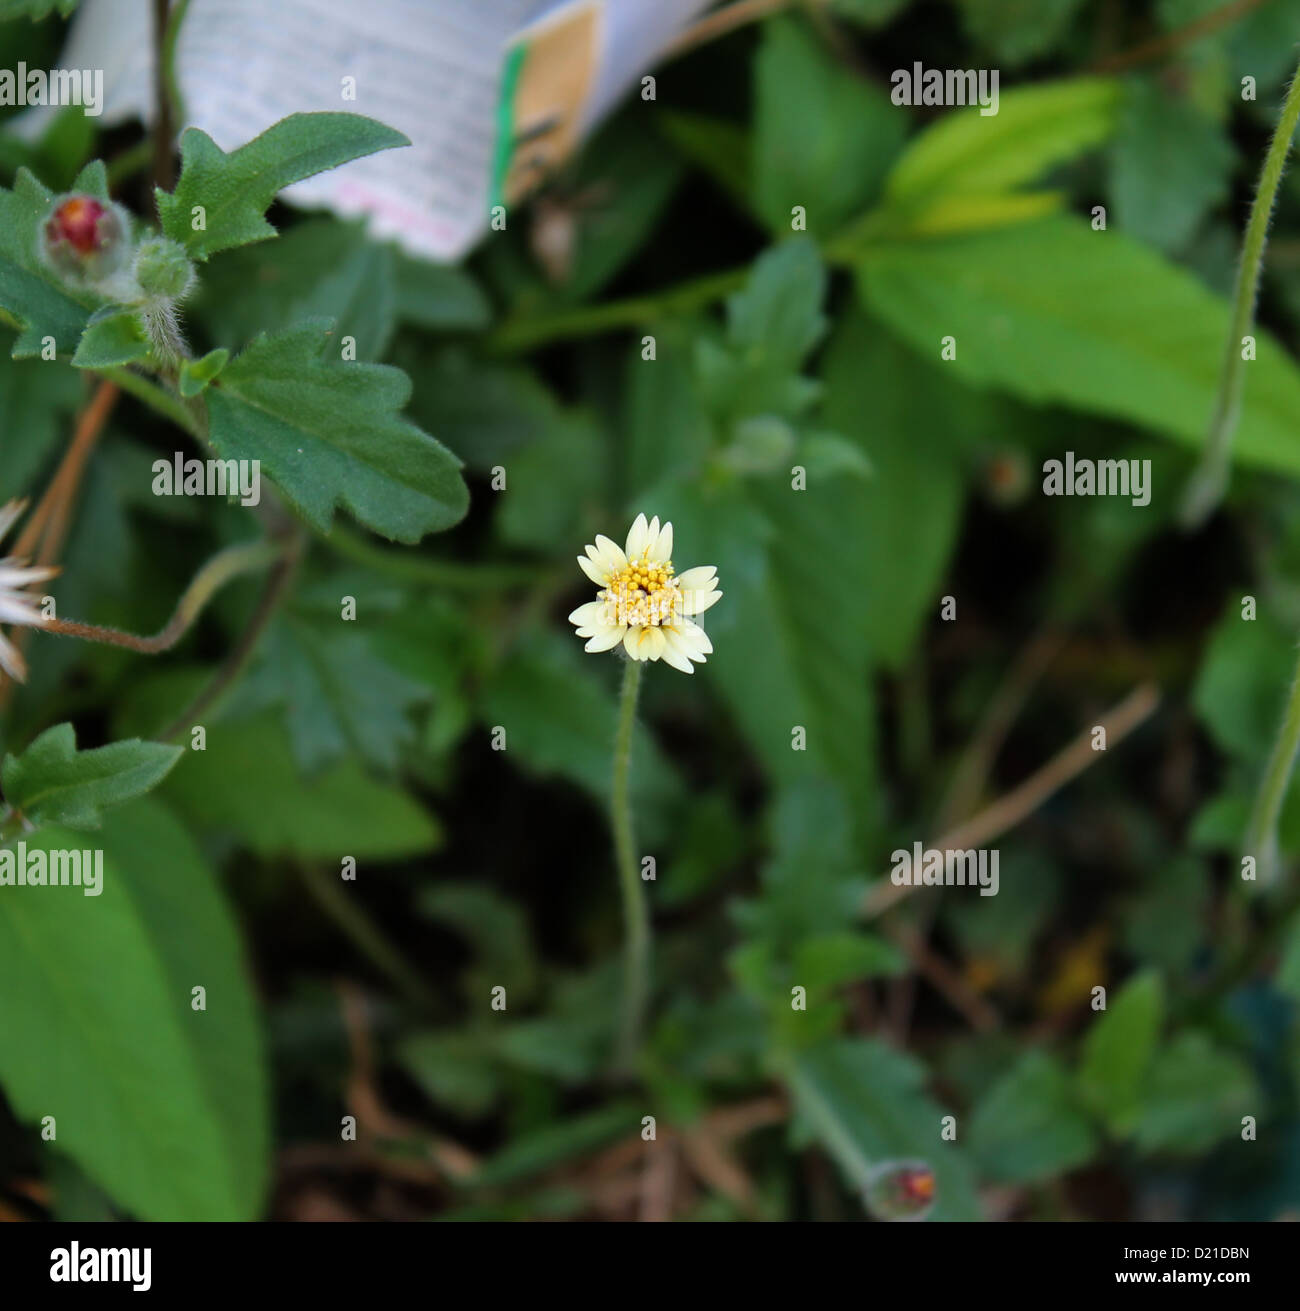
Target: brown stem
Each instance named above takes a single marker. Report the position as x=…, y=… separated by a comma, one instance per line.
x=1158, y=47
x=721, y=22
x=164, y=130
x=1022, y=801
x=46, y=528
x=218, y=571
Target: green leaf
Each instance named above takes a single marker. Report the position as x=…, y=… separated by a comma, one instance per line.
x=1118, y=1050
x=1194, y=1095
x=337, y=695
x=870, y=14
x=554, y=485
x=1168, y=919
x=163, y=1105
x=823, y=136
x=1055, y=312
x=1288, y=968
x=246, y=782
x=1026, y=1128
x=30, y=294
x=776, y=318
x=329, y=434
x=830, y=960
x=866, y=1104
x=54, y=783
x=773, y=323
x=560, y=720
x=828, y=456
x=579, y=1135
x=35, y=9
x=906, y=417
x=233, y=191
x=720, y=148
x=497, y=930
x=1244, y=678
x=968, y=153
x=36, y=402
x=439, y=298
x=1170, y=164
x=454, y=1069
x=319, y=268
x=112, y=337
x=197, y=374
x=812, y=884
x=1016, y=31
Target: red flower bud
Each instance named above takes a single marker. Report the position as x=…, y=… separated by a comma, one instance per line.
x=900, y=1190
x=77, y=222
x=85, y=238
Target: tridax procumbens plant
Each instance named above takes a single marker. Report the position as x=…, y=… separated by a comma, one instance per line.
x=645, y=610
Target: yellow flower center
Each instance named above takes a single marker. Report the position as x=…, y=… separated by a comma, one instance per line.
x=645, y=593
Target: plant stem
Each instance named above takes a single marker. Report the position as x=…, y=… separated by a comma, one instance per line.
x=423, y=569
x=277, y=585
x=1261, y=833
x=218, y=571
x=1210, y=479
x=367, y=937
x=154, y=396
x=636, y=948
x=526, y=334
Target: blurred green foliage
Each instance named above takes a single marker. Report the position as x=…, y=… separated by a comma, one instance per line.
x=797, y=247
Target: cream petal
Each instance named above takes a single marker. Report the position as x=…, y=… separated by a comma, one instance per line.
x=607, y=639
x=636, y=537
x=698, y=602
x=19, y=610
x=661, y=549
x=9, y=516
x=644, y=643
x=689, y=638
x=593, y=571
x=12, y=578
x=11, y=661
x=674, y=655
x=698, y=579
x=588, y=614
x=610, y=554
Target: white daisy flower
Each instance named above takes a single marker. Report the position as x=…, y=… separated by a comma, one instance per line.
x=643, y=603
x=17, y=605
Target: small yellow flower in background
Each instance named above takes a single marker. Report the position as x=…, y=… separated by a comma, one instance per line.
x=643, y=603
x=17, y=605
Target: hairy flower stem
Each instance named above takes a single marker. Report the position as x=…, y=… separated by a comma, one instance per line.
x=636, y=947
x=214, y=575
x=1261, y=833
x=1209, y=481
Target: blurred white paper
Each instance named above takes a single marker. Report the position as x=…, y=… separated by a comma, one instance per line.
x=433, y=69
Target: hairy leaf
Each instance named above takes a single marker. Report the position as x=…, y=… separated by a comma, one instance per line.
x=54, y=783
x=329, y=434
x=220, y=198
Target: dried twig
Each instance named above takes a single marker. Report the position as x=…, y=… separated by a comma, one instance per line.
x=1016, y=805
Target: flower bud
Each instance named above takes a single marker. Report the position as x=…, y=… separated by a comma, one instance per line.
x=162, y=269
x=85, y=239
x=900, y=1190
